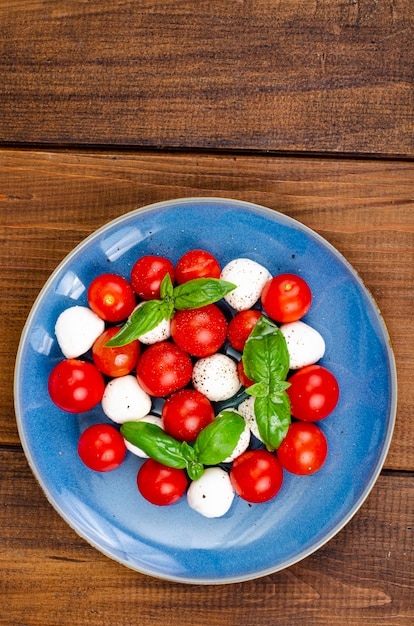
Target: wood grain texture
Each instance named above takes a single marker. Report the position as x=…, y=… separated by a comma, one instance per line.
x=50, y=576
x=282, y=75
x=50, y=201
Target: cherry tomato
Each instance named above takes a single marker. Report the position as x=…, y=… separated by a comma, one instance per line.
x=304, y=449
x=115, y=361
x=101, y=447
x=256, y=475
x=160, y=484
x=147, y=274
x=200, y=332
x=111, y=297
x=76, y=386
x=185, y=413
x=286, y=298
x=196, y=264
x=313, y=393
x=240, y=327
x=164, y=368
x=246, y=382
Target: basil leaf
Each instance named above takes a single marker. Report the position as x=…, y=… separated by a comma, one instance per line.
x=265, y=354
x=195, y=469
x=142, y=320
x=166, y=288
x=155, y=442
x=218, y=440
x=200, y=292
x=273, y=419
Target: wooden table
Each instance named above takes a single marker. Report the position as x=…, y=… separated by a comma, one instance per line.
x=304, y=107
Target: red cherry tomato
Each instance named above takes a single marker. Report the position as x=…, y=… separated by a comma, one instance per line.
x=313, y=393
x=114, y=361
x=196, y=264
x=240, y=327
x=200, y=332
x=111, y=297
x=76, y=386
x=101, y=447
x=286, y=298
x=185, y=413
x=161, y=485
x=246, y=382
x=304, y=449
x=164, y=368
x=147, y=274
x=256, y=475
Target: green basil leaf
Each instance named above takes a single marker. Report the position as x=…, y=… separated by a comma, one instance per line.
x=265, y=354
x=260, y=390
x=273, y=419
x=155, y=442
x=142, y=320
x=166, y=288
x=218, y=440
x=195, y=469
x=200, y=292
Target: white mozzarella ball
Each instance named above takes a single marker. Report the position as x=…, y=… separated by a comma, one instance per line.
x=242, y=444
x=216, y=377
x=211, y=495
x=305, y=344
x=124, y=400
x=246, y=410
x=150, y=419
x=77, y=329
x=250, y=278
x=160, y=333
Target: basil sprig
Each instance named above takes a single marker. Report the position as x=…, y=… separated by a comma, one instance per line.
x=213, y=445
x=266, y=363
x=190, y=295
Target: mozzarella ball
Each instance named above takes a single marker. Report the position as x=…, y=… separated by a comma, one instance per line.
x=242, y=444
x=77, y=329
x=216, y=377
x=246, y=410
x=305, y=345
x=150, y=419
x=124, y=400
x=212, y=494
x=250, y=278
x=160, y=333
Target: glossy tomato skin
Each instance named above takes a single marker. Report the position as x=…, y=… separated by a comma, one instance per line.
x=200, y=332
x=115, y=362
x=147, y=274
x=161, y=485
x=313, y=393
x=102, y=448
x=240, y=327
x=164, y=368
x=196, y=264
x=76, y=386
x=256, y=475
x=111, y=297
x=286, y=298
x=304, y=449
x=185, y=413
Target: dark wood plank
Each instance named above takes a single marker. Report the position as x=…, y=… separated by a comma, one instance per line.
x=51, y=200
x=270, y=75
x=49, y=576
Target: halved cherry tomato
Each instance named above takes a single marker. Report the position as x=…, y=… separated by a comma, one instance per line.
x=185, y=413
x=196, y=264
x=200, y=332
x=304, y=449
x=164, y=368
x=76, y=386
x=115, y=361
x=161, y=485
x=256, y=475
x=313, y=393
x=286, y=298
x=101, y=447
x=111, y=297
x=240, y=327
x=147, y=274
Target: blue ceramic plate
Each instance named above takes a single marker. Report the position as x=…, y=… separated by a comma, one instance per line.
x=175, y=543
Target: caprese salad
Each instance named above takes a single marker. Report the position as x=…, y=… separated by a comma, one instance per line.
x=194, y=336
